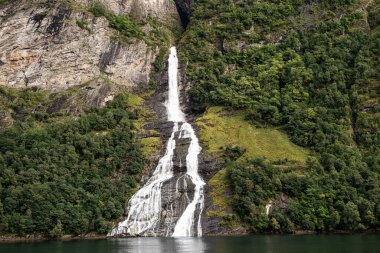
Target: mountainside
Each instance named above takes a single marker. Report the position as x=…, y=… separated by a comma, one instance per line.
x=75, y=141
x=284, y=97
x=309, y=69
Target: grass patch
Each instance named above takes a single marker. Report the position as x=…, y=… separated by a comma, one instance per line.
x=83, y=25
x=134, y=101
x=150, y=141
x=150, y=145
x=220, y=128
x=222, y=200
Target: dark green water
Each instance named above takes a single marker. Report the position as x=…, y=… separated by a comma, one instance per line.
x=251, y=244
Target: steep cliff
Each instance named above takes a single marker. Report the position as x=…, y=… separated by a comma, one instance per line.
x=54, y=45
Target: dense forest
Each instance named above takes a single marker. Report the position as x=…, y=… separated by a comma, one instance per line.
x=310, y=68
x=62, y=173
x=68, y=164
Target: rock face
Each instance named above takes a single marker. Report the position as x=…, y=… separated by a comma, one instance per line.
x=164, y=10
x=95, y=94
x=45, y=46
x=177, y=192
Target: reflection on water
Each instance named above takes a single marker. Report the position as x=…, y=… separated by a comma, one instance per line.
x=159, y=245
x=251, y=244
x=189, y=245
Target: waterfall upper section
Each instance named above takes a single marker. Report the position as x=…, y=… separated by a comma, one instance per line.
x=171, y=201
x=173, y=106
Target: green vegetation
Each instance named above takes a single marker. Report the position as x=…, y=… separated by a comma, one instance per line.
x=219, y=189
x=83, y=25
x=222, y=132
x=3, y=1
x=317, y=200
x=220, y=128
x=27, y=97
x=310, y=68
x=128, y=28
x=82, y=167
x=66, y=175
x=150, y=139
x=221, y=200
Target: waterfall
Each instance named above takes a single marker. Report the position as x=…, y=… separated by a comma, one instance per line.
x=185, y=224
x=144, y=208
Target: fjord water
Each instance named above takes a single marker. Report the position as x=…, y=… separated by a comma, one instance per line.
x=144, y=208
x=251, y=244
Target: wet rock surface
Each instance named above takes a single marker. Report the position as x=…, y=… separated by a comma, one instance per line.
x=177, y=192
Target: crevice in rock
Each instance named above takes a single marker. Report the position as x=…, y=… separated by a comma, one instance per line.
x=183, y=8
x=108, y=58
x=38, y=18
x=26, y=79
x=57, y=20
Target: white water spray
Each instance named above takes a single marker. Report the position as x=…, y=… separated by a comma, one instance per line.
x=185, y=224
x=145, y=205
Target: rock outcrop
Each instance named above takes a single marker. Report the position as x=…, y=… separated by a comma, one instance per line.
x=164, y=10
x=59, y=45
x=95, y=94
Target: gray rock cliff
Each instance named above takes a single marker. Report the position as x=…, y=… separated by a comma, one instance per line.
x=42, y=44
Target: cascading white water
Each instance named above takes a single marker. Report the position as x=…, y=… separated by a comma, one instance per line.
x=185, y=224
x=145, y=205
